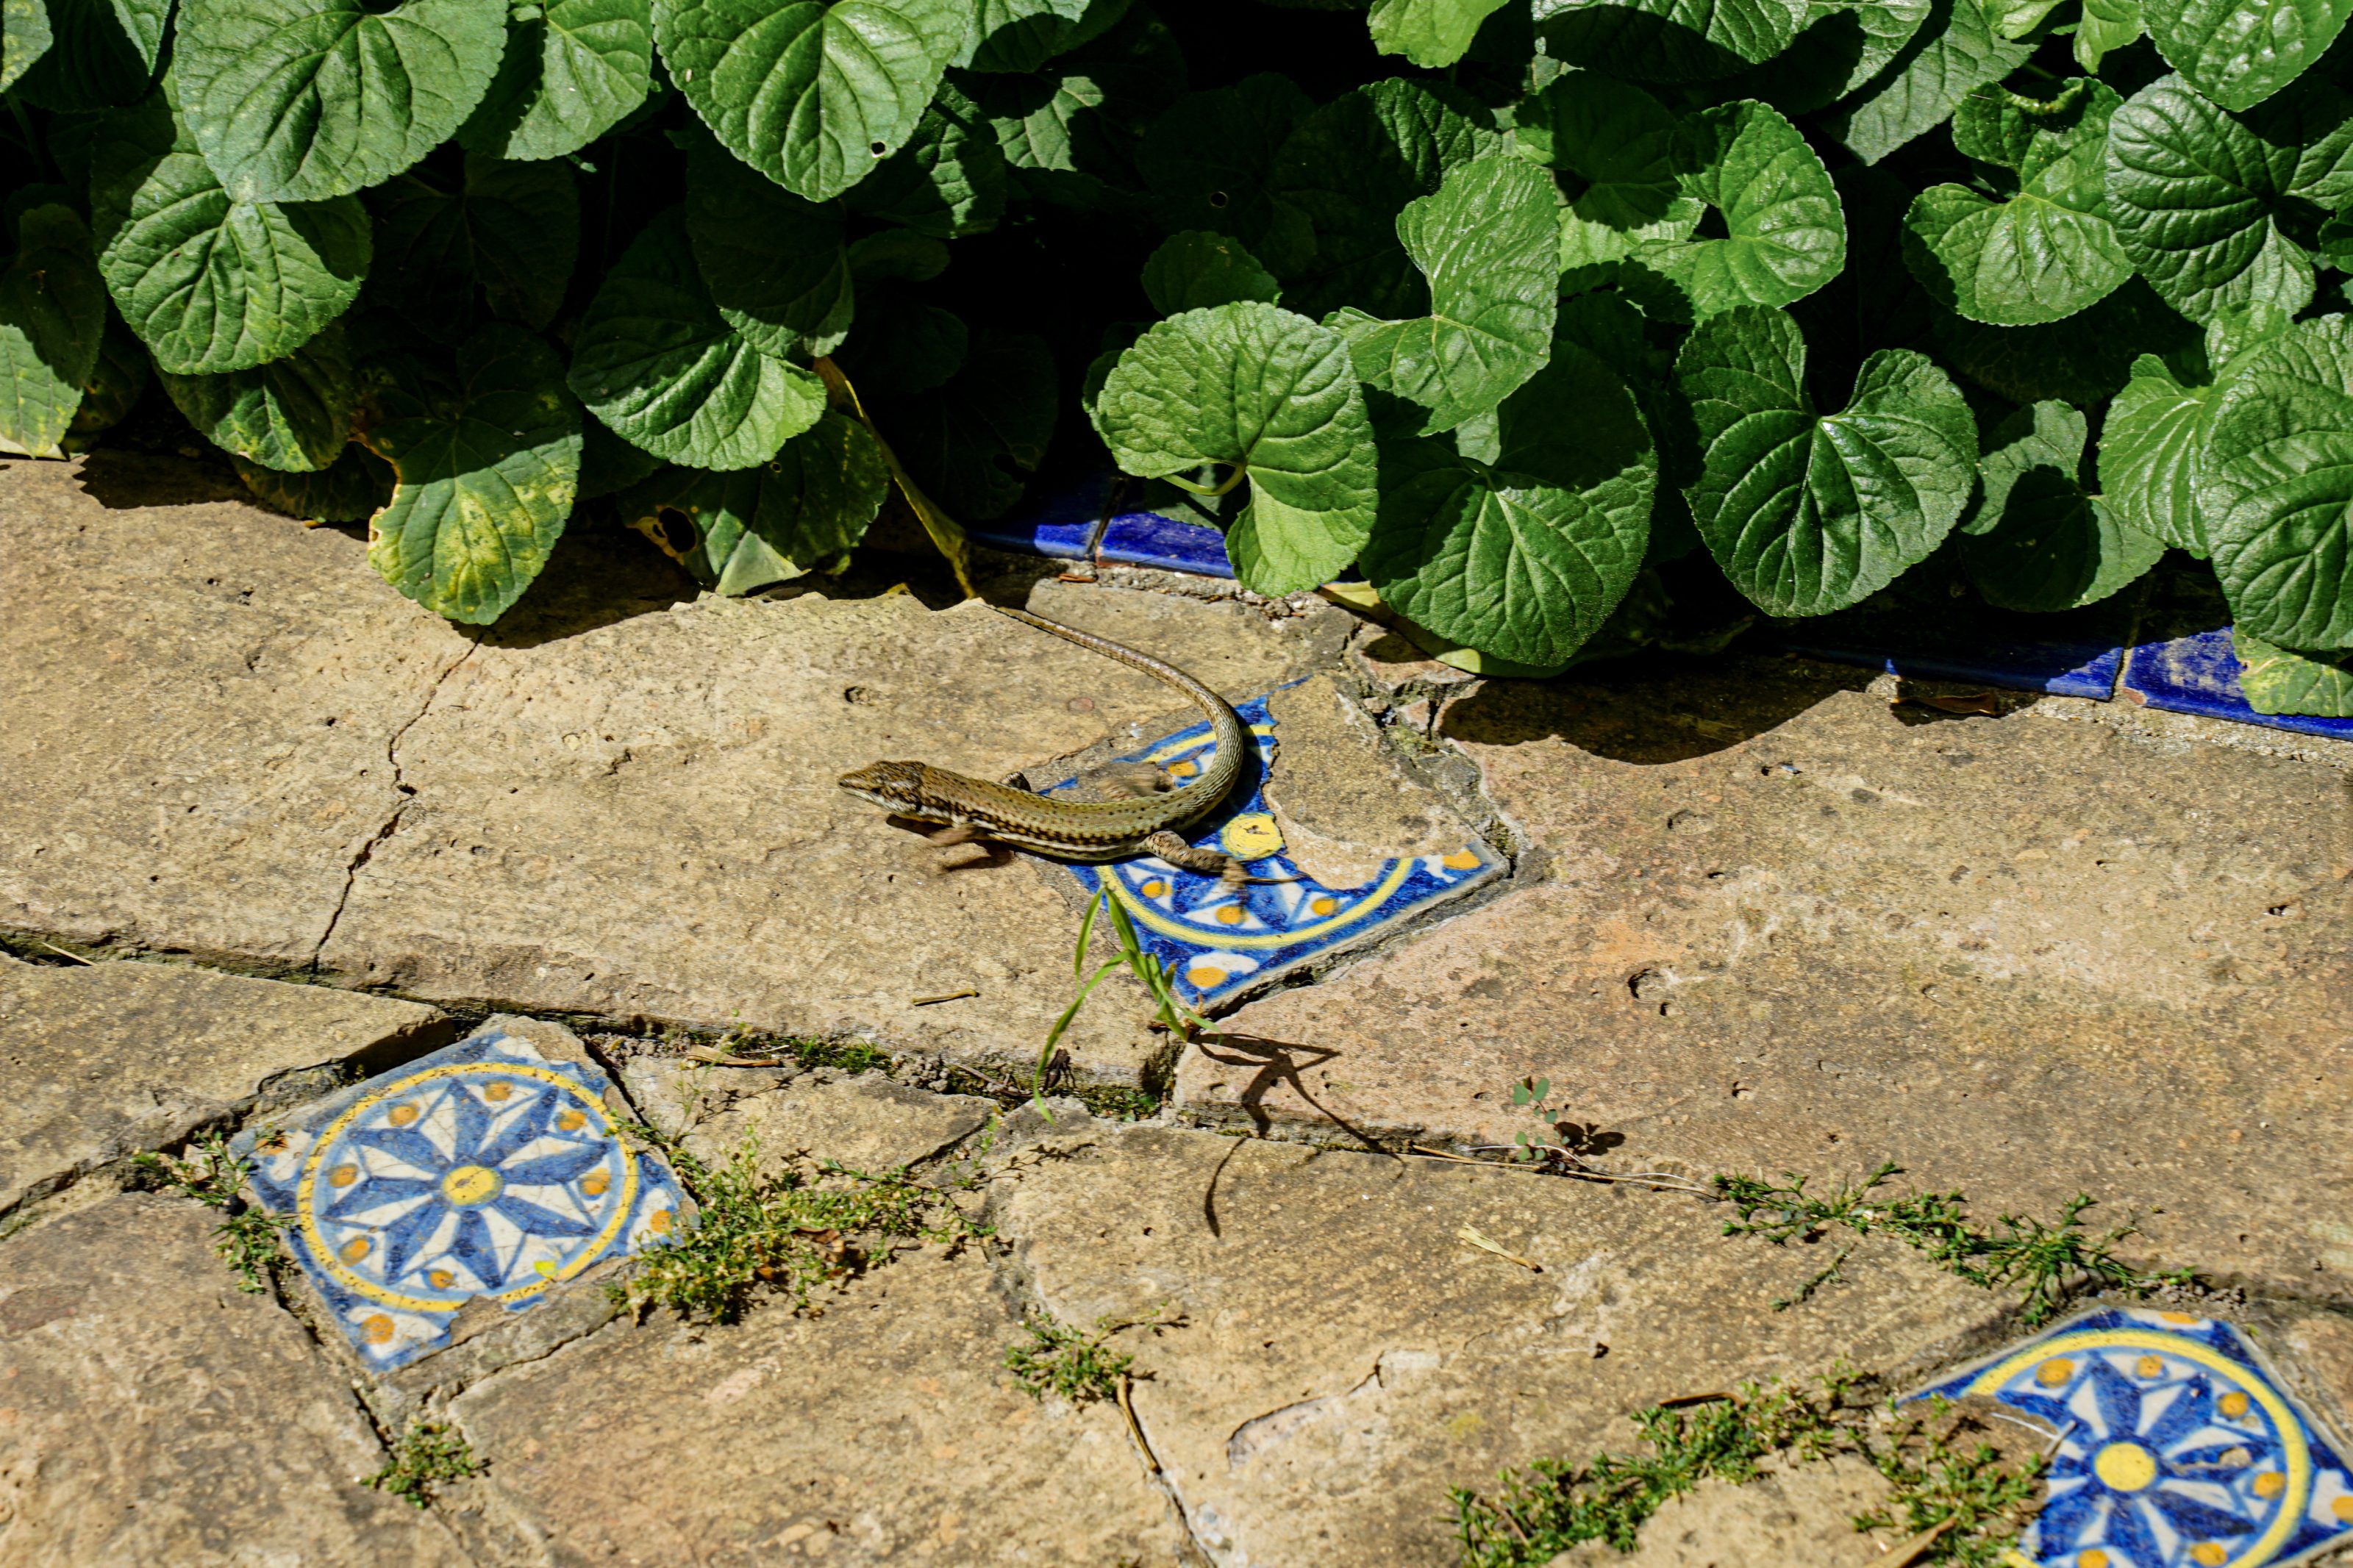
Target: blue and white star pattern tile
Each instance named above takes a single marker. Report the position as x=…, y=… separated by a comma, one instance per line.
x=1224, y=942
x=2176, y=1447
x=483, y=1169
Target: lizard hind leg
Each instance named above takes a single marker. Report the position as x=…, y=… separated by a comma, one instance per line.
x=1173, y=849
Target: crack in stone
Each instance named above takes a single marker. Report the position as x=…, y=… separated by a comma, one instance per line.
x=366, y=850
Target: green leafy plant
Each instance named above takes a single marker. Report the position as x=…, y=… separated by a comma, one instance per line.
x=429, y=1453
x=784, y=1229
x=1961, y=1505
x=247, y=1236
x=1058, y=1359
x=1171, y=1012
x=1537, y=314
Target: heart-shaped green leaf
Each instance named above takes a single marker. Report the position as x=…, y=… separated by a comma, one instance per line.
x=486, y=474
x=2240, y=52
x=1952, y=51
x=1194, y=271
x=296, y=100
x=1522, y=555
x=1272, y=396
x=52, y=321
x=293, y=413
x=351, y=488
x=2107, y=26
x=1809, y=513
x=1349, y=169
x=1785, y=233
x=2046, y=252
x=812, y=93
x=2160, y=427
x=657, y=363
x=211, y=284
x=511, y=229
x=2281, y=680
x=950, y=178
x=758, y=526
x=1210, y=161
x=2039, y=541
x=1022, y=35
x=1488, y=245
x=2275, y=487
x=774, y=264
x=1667, y=40
x=573, y=69
x=1845, y=43
x=2212, y=206
x=1433, y=34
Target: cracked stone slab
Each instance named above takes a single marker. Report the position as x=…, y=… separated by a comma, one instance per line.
x=149, y=1412
x=641, y=820
x=884, y=1430
x=1801, y=1514
x=105, y=1060
x=202, y=697
x=865, y=1124
x=1347, y=1357
x=1789, y=927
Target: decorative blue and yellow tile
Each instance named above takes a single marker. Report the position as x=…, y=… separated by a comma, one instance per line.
x=483, y=1169
x=2175, y=1447
x=1224, y=942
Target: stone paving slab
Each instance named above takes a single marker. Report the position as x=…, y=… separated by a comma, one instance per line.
x=104, y=1061
x=151, y=1412
x=865, y=1124
x=883, y=1430
x=1786, y=926
x=1347, y=1357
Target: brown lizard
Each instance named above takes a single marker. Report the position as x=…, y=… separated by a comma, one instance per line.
x=1089, y=830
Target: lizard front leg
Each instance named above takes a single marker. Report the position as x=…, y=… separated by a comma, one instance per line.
x=1173, y=849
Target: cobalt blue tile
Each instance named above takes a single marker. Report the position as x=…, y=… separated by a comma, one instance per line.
x=2174, y=1447
x=483, y=1169
x=2199, y=674
x=1225, y=942
x=2077, y=655
x=1148, y=538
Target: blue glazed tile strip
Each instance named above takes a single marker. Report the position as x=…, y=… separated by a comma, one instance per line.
x=2174, y=1447
x=483, y=1169
x=2079, y=654
x=1148, y=538
x=2200, y=675
x=1226, y=941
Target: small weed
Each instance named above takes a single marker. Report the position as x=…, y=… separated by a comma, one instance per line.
x=1554, y=1505
x=786, y=1231
x=247, y=1236
x=1159, y=978
x=2046, y=1265
x=427, y=1454
x=1058, y=1358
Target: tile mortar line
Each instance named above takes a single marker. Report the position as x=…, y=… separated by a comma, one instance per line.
x=366, y=850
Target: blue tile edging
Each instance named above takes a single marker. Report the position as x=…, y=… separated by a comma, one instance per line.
x=2200, y=675
x=1061, y=522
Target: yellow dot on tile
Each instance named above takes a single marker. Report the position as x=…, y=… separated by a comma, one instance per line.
x=1154, y=889
x=1251, y=837
x=2092, y=1557
x=595, y=1183
x=545, y=1268
x=2343, y=1509
x=2125, y=1467
x=1231, y=915
x=402, y=1115
x=1182, y=770
x=658, y=1222
x=495, y=1091
x=2271, y=1483
x=1201, y=976
x=441, y=1279
x=1460, y=860
x=354, y=1250
x=378, y=1328
x=1322, y=906
x=466, y=1185
x=2208, y=1554
x=2054, y=1371
x=2184, y=1318
x=573, y=1120
x=2232, y=1404
x=2149, y=1366
x=344, y=1175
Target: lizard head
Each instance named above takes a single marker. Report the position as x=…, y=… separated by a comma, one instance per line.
x=896, y=787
